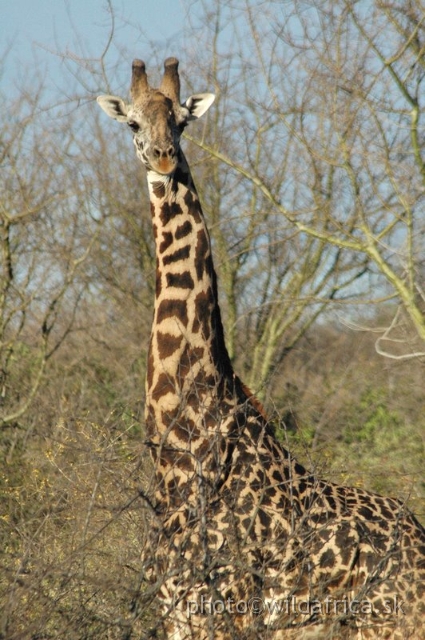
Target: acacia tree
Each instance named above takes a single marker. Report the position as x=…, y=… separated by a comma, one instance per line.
x=43, y=245
x=76, y=262
x=328, y=164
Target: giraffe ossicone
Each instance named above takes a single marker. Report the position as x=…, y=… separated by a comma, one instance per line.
x=240, y=519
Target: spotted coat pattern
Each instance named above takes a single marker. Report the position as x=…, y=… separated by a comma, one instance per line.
x=248, y=543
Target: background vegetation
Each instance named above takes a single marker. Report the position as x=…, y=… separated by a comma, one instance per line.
x=312, y=171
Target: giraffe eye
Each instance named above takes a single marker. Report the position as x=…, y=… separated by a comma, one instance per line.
x=133, y=125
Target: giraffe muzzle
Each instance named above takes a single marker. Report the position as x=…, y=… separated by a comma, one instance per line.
x=164, y=161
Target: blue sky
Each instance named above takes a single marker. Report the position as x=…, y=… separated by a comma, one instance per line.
x=34, y=30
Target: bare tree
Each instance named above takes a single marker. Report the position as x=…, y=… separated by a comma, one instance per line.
x=42, y=248
x=326, y=148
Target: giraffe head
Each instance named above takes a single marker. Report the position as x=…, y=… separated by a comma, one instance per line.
x=156, y=116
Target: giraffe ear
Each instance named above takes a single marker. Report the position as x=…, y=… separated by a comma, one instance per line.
x=199, y=104
x=114, y=107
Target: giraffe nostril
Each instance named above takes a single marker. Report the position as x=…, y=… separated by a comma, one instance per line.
x=159, y=152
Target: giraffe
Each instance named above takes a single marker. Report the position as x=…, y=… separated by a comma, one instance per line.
x=249, y=543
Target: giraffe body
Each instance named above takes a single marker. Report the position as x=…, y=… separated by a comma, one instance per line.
x=250, y=545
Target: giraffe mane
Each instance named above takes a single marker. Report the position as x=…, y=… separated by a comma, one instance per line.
x=253, y=400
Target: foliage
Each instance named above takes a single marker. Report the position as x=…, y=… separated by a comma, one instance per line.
x=72, y=503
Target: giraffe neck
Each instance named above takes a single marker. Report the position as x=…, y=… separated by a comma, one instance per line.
x=188, y=364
